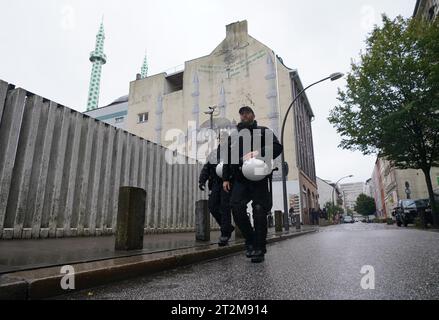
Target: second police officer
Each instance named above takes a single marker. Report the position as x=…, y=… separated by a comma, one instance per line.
x=219, y=200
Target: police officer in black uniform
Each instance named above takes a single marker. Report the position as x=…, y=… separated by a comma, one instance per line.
x=243, y=190
x=219, y=200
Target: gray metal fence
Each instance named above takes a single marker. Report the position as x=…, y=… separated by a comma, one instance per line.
x=60, y=173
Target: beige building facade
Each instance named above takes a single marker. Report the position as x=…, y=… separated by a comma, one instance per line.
x=350, y=193
x=166, y=108
x=391, y=185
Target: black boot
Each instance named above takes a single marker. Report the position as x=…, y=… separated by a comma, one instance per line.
x=223, y=241
x=249, y=250
x=258, y=256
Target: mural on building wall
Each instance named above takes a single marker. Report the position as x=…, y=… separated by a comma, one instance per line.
x=196, y=100
x=159, y=112
x=222, y=101
x=272, y=97
x=234, y=68
x=195, y=112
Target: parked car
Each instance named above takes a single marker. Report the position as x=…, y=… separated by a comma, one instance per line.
x=368, y=219
x=405, y=212
x=348, y=219
x=408, y=210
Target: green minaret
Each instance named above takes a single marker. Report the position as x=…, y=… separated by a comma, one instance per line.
x=144, y=71
x=98, y=58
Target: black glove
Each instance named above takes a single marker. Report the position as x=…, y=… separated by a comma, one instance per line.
x=202, y=186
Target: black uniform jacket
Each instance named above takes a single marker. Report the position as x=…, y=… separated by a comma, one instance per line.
x=233, y=171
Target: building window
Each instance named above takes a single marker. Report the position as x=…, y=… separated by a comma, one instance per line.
x=142, y=117
x=119, y=119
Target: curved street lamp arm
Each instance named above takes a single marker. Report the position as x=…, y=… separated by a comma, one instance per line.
x=292, y=104
x=333, y=77
x=335, y=187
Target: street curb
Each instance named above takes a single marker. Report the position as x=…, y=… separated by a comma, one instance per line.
x=24, y=285
x=13, y=288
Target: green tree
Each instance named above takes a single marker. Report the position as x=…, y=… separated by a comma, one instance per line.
x=391, y=104
x=365, y=205
x=333, y=210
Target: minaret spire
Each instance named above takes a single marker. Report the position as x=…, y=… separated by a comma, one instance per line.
x=98, y=58
x=144, y=71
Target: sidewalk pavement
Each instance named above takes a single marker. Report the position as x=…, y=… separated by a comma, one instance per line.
x=20, y=255
x=30, y=269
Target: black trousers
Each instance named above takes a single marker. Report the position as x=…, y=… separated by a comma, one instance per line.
x=259, y=193
x=219, y=207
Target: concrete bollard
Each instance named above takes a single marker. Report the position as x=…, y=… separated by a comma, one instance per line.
x=202, y=221
x=130, y=219
x=278, y=221
x=297, y=219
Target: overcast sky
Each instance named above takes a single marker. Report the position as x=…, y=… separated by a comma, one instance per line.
x=45, y=46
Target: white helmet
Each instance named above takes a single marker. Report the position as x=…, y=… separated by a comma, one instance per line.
x=219, y=169
x=256, y=169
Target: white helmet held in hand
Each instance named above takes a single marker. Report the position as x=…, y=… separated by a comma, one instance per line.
x=256, y=169
x=219, y=169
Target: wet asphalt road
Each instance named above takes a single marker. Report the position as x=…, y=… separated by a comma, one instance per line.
x=323, y=265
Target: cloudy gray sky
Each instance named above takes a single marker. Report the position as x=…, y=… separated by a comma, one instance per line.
x=45, y=46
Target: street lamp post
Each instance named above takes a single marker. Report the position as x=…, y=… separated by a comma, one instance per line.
x=211, y=114
x=335, y=187
x=333, y=77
